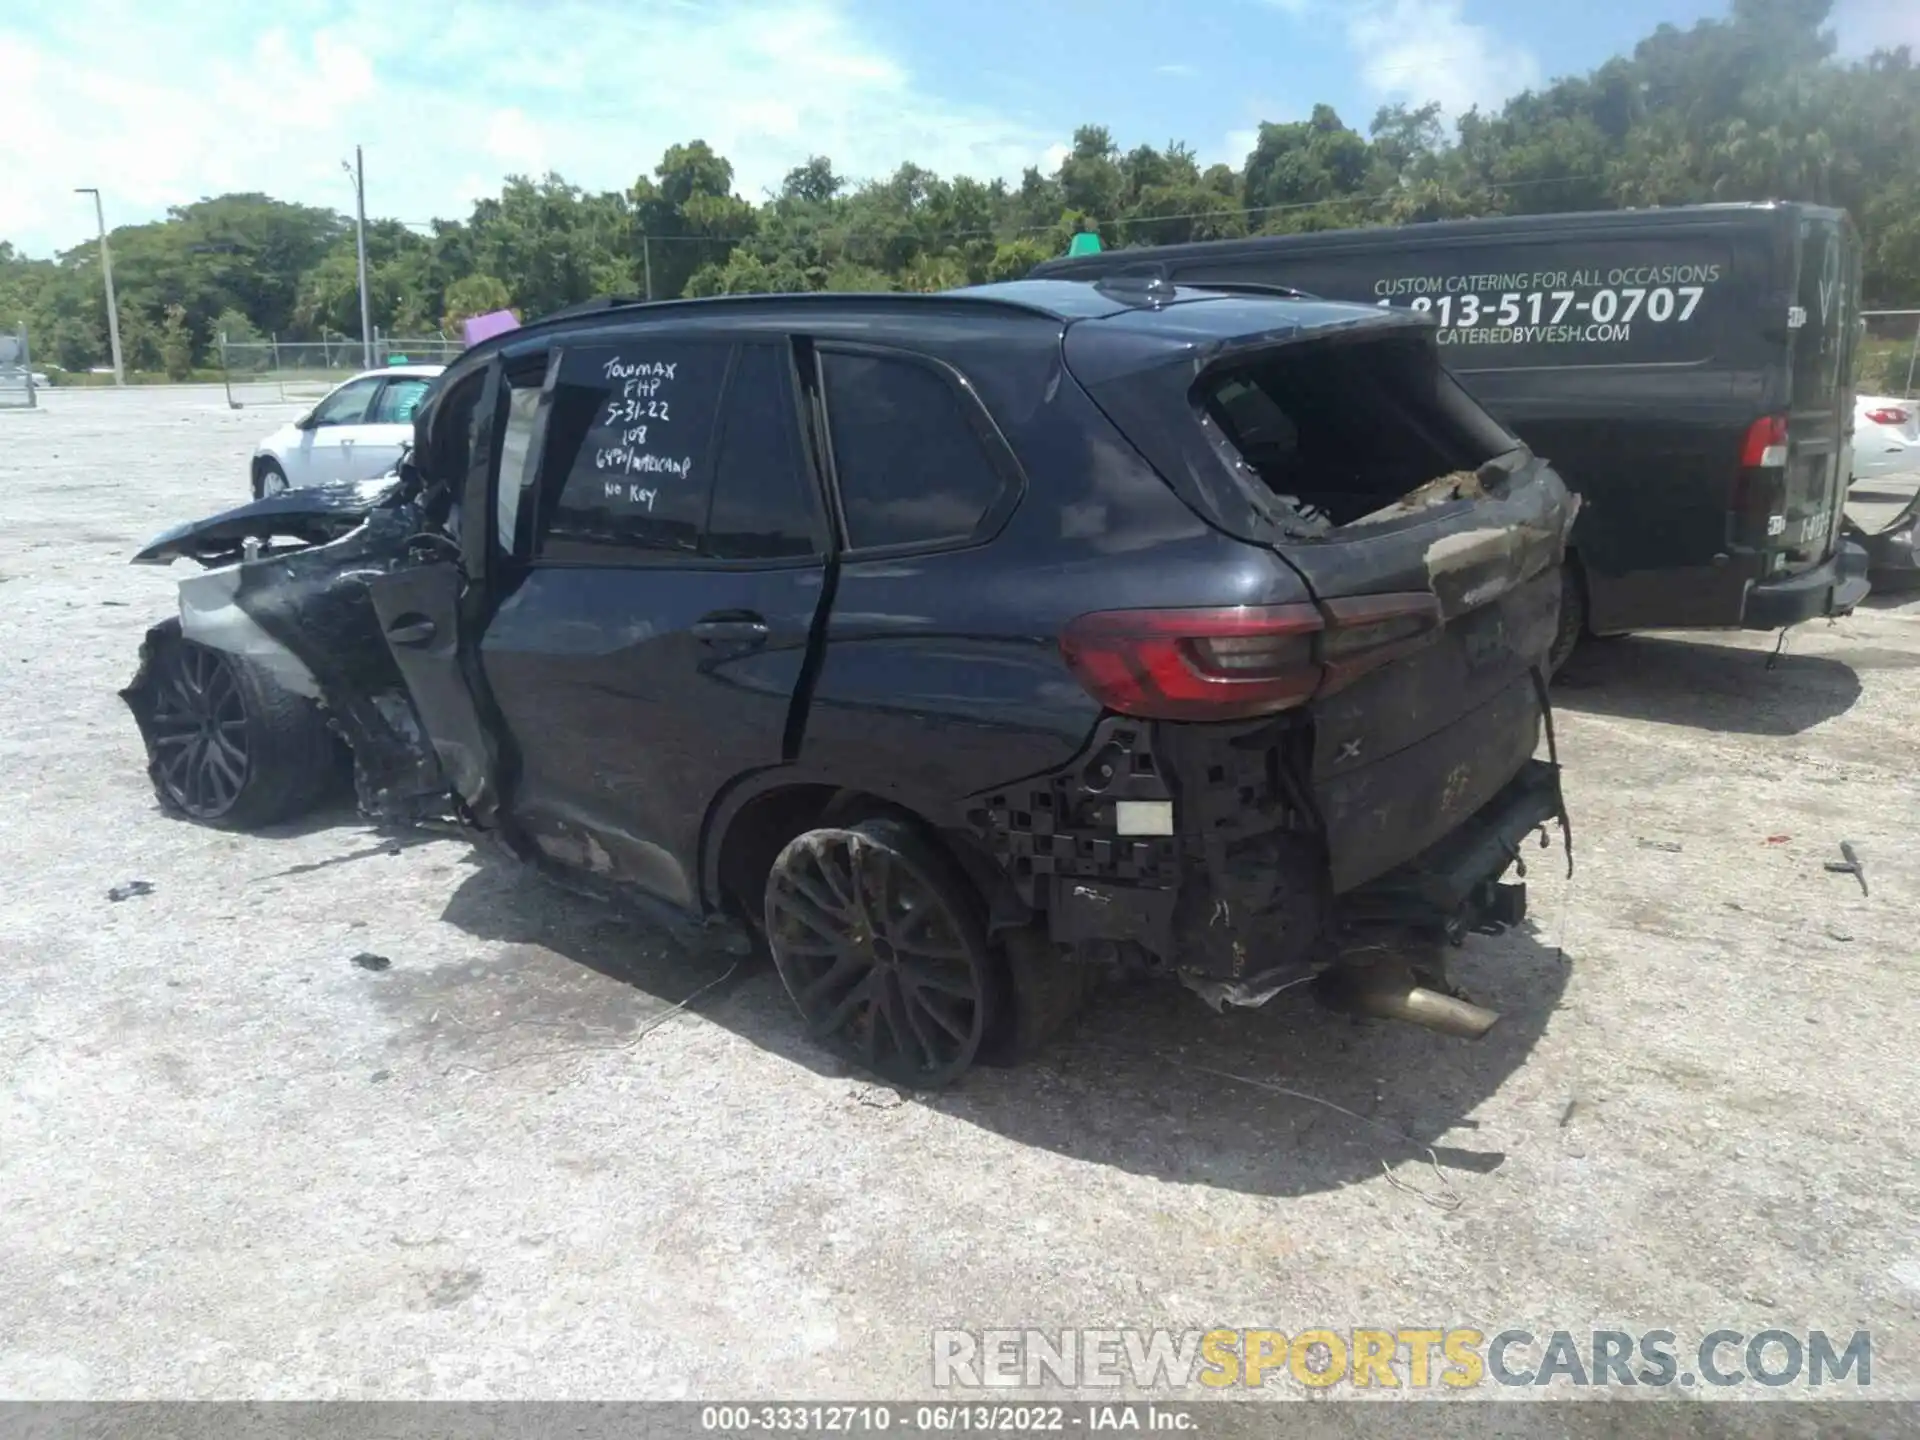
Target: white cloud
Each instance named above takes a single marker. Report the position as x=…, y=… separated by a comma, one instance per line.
x=448, y=96
x=1863, y=26
x=1421, y=50
x=1238, y=145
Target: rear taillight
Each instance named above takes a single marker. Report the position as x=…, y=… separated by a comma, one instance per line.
x=1766, y=442
x=1245, y=660
x=1888, y=415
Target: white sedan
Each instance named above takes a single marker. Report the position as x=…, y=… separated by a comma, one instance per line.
x=356, y=433
x=1886, y=437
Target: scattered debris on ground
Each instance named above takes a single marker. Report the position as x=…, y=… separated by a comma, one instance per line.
x=1850, y=865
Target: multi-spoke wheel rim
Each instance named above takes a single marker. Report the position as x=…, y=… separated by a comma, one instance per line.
x=875, y=952
x=272, y=482
x=199, y=732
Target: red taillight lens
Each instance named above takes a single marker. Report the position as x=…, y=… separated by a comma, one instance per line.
x=1228, y=664
x=1887, y=415
x=1766, y=442
x=1196, y=664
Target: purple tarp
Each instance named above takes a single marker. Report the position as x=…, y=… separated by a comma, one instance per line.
x=485, y=327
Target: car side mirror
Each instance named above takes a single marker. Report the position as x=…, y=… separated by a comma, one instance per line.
x=305, y=422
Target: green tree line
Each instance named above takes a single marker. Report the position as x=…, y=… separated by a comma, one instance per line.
x=1750, y=106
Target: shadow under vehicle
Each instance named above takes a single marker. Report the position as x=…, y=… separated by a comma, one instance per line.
x=954, y=648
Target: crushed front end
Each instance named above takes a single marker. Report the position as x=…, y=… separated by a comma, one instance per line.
x=284, y=588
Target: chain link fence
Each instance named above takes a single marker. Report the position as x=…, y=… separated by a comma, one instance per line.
x=1889, y=354
x=299, y=372
x=17, y=390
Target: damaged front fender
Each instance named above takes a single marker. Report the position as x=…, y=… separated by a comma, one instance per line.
x=289, y=593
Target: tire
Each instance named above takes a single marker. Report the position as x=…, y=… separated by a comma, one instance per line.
x=879, y=939
x=1046, y=993
x=1573, y=616
x=227, y=745
x=268, y=479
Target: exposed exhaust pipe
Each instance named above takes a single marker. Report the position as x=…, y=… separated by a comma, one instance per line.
x=1420, y=1006
x=1391, y=996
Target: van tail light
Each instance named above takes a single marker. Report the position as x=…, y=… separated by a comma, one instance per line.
x=1888, y=415
x=1758, y=508
x=1766, y=442
x=1239, y=661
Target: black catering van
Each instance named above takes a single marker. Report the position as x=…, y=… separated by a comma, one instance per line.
x=1687, y=370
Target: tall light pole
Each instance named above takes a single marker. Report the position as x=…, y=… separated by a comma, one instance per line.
x=106, y=269
x=358, y=171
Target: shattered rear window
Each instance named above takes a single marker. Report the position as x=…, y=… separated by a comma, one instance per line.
x=1338, y=428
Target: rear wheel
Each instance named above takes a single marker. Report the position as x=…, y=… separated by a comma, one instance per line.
x=878, y=937
x=226, y=744
x=268, y=479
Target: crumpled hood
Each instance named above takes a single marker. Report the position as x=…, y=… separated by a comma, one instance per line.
x=312, y=515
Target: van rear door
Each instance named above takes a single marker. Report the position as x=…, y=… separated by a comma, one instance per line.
x=1819, y=417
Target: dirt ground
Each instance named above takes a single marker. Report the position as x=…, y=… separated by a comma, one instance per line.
x=233, y=1163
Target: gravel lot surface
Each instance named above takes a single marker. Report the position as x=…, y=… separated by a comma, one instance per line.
x=235, y=1164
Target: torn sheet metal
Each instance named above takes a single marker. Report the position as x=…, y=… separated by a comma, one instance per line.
x=302, y=612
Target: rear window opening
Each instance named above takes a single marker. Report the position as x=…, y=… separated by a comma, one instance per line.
x=1341, y=430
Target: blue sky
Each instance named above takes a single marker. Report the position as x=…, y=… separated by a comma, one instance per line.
x=159, y=102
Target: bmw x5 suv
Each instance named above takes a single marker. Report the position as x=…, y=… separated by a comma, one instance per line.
x=955, y=648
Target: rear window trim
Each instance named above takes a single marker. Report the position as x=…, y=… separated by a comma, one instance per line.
x=993, y=443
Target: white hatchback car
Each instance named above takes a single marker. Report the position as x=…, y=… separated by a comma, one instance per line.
x=356, y=433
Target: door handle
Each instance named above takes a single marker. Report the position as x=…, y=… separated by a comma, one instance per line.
x=414, y=633
x=739, y=628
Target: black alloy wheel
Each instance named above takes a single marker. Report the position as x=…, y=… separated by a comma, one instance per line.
x=198, y=732
x=877, y=937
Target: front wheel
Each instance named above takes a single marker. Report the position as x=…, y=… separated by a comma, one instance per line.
x=227, y=745
x=878, y=938
x=269, y=479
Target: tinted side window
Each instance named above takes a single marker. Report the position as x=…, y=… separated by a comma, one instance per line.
x=516, y=445
x=628, y=462
x=397, y=402
x=764, y=503
x=347, y=405
x=910, y=465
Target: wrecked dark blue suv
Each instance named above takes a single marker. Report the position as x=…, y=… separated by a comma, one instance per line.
x=956, y=646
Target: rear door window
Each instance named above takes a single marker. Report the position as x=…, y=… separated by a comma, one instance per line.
x=1825, y=311
x=516, y=452
x=912, y=461
x=765, y=505
x=397, y=401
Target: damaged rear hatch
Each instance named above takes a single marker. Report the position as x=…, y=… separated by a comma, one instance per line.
x=1430, y=537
